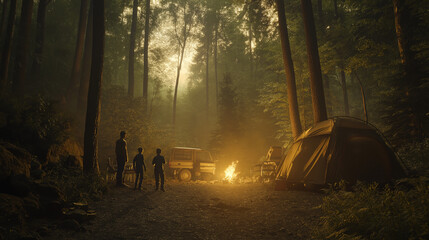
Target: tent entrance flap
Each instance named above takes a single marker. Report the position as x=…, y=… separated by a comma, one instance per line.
x=309, y=163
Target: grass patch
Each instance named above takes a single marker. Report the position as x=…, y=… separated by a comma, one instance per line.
x=374, y=212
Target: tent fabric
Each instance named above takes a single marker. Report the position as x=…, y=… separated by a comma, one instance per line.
x=336, y=149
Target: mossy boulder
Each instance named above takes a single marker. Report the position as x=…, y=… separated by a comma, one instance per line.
x=69, y=153
x=14, y=161
x=12, y=211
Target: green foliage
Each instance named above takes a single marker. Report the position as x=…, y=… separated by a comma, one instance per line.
x=416, y=157
x=34, y=123
x=373, y=213
x=75, y=185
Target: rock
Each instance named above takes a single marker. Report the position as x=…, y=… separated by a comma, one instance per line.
x=18, y=185
x=12, y=211
x=13, y=161
x=49, y=192
x=70, y=224
x=51, y=199
x=37, y=174
x=69, y=153
x=31, y=205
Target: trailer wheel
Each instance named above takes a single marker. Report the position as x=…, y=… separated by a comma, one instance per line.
x=185, y=175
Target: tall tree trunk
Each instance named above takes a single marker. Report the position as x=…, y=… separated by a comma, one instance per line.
x=316, y=83
x=90, y=160
x=23, y=46
x=290, y=73
x=404, y=34
x=345, y=94
x=335, y=9
x=146, y=53
x=402, y=16
x=40, y=39
x=325, y=77
x=131, y=58
x=250, y=49
x=365, y=112
x=77, y=62
x=3, y=18
x=7, y=46
x=179, y=67
x=86, y=64
x=207, y=74
x=215, y=62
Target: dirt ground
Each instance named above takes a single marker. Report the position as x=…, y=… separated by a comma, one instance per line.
x=202, y=210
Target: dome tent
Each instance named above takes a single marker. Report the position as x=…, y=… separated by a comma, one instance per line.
x=337, y=149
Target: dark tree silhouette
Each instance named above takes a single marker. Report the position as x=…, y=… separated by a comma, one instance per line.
x=77, y=62
x=316, y=84
x=345, y=94
x=23, y=45
x=7, y=45
x=131, y=57
x=3, y=17
x=146, y=52
x=290, y=73
x=40, y=38
x=90, y=160
x=86, y=62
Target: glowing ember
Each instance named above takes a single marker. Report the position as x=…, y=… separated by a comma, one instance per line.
x=230, y=173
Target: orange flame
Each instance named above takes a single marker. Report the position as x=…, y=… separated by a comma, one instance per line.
x=230, y=173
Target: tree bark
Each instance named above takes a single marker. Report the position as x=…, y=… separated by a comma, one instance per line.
x=131, y=57
x=289, y=70
x=177, y=81
x=186, y=29
x=3, y=17
x=23, y=46
x=86, y=66
x=7, y=46
x=316, y=83
x=90, y=160
x=365, y=112
x=345, y=94
x=215, y=61
x=250, y=42
x=325, y=77
x=146, y=54
x=402, y=33
x=77, y=62
x=40, y=39
x=207, y=73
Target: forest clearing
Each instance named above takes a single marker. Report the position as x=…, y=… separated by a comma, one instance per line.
x=202, y=210
x=266, y=119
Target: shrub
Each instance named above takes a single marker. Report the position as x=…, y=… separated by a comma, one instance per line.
x=373, y=213
x=33, y=123
x=416, y=156
x=75, y=185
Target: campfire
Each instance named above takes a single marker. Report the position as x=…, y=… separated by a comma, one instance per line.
x=230, y=174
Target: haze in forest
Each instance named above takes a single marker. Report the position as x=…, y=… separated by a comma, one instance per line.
x=232, y=93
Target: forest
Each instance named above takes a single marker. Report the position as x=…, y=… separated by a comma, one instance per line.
x=234, y=77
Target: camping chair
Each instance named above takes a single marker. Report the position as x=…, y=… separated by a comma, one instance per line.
x=129, y=174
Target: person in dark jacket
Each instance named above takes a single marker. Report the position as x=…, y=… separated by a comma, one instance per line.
x=157, y=162
x=121, y=157
x=138, y=165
